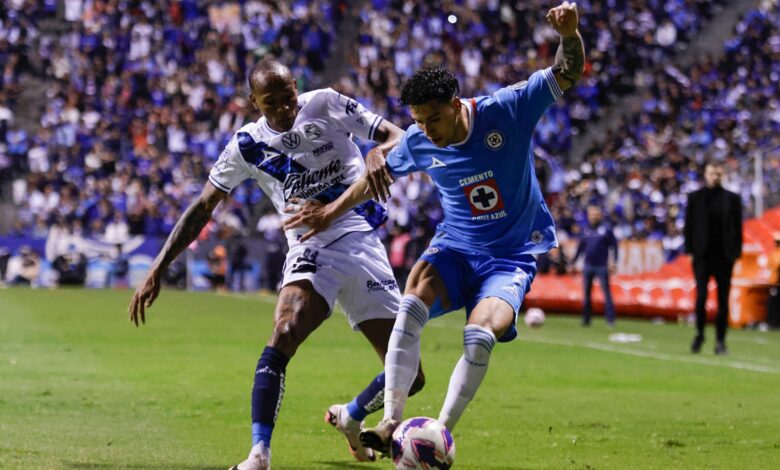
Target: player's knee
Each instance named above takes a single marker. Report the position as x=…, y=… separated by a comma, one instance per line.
x=419, y=382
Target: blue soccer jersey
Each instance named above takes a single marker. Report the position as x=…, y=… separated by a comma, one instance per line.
x=488, y=189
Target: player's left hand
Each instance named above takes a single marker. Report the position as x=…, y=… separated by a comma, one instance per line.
x=378, y=176
x=564, y=18
x=309, y=213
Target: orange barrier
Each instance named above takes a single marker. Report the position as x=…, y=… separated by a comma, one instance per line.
x=671, y=290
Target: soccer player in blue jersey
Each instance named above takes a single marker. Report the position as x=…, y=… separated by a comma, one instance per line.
x=478, y=154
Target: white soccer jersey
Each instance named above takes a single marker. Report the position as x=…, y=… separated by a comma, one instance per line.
x=315, y=159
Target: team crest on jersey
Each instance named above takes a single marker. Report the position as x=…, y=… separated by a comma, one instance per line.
x=494, y=140
x=537, y=237
x=311, y=131
x=291, y=140
x=484, y=197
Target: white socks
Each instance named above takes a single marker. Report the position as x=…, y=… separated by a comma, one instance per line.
x=403, y=354
x=468, y=374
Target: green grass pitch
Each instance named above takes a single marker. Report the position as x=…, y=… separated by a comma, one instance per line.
x=82, y=389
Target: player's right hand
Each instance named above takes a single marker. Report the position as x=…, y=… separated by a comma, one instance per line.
x=379, y=178
x=143, y=298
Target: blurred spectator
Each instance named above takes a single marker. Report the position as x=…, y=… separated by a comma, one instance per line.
x=398, y=253
x=116, y=230
x=71, y=267
x=551, y=262
x=30, y=267
x=270, y=226
x=238, y=262
x=120, y=268
x=217, y=261
x=5, y=255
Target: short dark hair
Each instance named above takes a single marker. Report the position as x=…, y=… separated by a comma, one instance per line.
x=429, y=84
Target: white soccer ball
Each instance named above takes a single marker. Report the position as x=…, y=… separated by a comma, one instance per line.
x=534, y=317
x=422, y=443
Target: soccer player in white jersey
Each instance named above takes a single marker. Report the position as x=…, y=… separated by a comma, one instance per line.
x=301, y=148
x=478, y=154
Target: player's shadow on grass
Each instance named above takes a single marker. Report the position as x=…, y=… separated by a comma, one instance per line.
x=101, y=466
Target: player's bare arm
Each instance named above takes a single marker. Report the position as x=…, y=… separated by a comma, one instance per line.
x=570, y=57
x=318, y=217
x=375, y=183
x=186, y=230
x=379, y=179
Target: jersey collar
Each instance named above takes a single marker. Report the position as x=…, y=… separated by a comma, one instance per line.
x=471, y=110
x=268, y=127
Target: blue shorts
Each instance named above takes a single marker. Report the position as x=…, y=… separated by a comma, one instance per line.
x=471, y=277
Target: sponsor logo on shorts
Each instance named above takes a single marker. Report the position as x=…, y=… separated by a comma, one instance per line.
x=385, y=285
x=307, y=263
x=512, y=290
x=431, y=251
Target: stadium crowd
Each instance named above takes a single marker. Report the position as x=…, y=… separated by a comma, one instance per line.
x=139, y=102
x=492, y=43
x=140, y=99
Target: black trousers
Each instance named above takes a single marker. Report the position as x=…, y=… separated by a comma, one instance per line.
x=719, y=268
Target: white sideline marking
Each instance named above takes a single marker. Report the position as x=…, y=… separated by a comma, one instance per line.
x=660, y=356
x=643, y=353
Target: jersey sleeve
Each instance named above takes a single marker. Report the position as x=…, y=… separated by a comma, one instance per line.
x=400, y=161
x=529, y=100
x=351, y=116
x=230, y=169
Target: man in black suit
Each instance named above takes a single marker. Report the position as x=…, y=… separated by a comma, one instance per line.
x=713, y=235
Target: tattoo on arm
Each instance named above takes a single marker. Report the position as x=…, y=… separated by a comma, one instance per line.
x=570, y=58
x=186, y=230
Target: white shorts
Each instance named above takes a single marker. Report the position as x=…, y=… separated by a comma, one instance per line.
x=353, y=271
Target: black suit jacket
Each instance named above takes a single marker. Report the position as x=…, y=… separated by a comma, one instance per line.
x=698, y=229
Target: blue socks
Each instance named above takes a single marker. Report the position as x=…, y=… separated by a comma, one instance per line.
x=267, y=394
x=371, y=399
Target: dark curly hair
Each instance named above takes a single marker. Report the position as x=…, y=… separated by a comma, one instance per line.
x=429, y=84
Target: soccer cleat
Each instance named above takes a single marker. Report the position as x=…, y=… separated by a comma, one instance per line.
x=721, y=349
x=380, y=436
x=338, y=417
x=696, y=344
x=259, y=459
